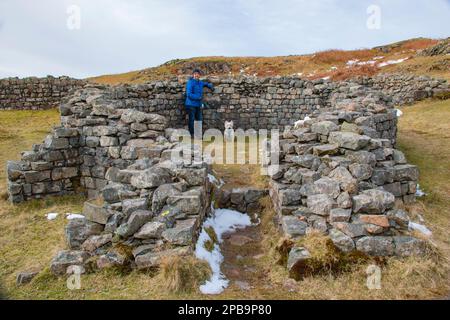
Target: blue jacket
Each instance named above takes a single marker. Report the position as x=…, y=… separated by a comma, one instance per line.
x=194, y=92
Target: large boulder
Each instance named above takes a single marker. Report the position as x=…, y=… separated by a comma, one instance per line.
x=324, y=127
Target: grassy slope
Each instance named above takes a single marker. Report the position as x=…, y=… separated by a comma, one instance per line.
x=28, y=241
x=310, y=66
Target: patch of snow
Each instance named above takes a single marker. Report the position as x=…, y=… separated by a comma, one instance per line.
x=378, y=58
x=52, y=216
x=419, y=192
x=333, y=68
x=399, y=113
x=222, y=221
x=389, y=62
x=420, y=228
x=326, y=78
x=352, y=62
x=72, y=216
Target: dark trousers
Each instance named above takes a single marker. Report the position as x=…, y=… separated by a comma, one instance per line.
x=195, y=114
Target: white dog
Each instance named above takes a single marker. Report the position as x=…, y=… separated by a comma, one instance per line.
x=300, y=123
x=229, y=131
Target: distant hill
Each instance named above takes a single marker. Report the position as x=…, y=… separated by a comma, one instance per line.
x=407, y=56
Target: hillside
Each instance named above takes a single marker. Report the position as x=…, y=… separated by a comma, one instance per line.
x=419, y=56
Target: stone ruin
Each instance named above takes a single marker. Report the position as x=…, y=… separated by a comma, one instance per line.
x=339, y=171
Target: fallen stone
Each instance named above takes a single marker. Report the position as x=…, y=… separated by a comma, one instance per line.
x=406, y=246
x=136, y=220
x=78, y=231
x=95, y=242
x=25, y=277
x=297, y=260
x=96, y=213
x=65, y=259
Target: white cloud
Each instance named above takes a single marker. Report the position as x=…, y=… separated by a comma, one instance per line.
x=119, y=35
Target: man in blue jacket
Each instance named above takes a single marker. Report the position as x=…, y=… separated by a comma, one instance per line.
x=194, y=97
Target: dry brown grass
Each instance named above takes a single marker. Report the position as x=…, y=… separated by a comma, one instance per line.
x=184, y=274
x=333, y=57
x=352, y=72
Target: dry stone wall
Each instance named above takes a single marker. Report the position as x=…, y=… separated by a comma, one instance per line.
x=35, y=93
x=340, y=171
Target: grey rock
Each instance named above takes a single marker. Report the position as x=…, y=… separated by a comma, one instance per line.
x=96, y=213
x=186, y=203
x=342, y=241
x=344, y=201
x=78, y=231
x=406, y=246
x=25, y=277
x=65, y=259
x=182, y=234
x=324, y=127
x=376, y=246
x=349, y=140
x=163, y=192
x=406, y=172
x=400, y=217
x=151, y=230
x=340, y=215
x=320, y=204
x=373, y=201
x=136, y=220
x=111, y=260
x=95, y=242
x=132, y=205
x=293, y=227
x=151, y=178
x=194, y=177
x=361, y=171
x=327, y=186
x=297, y=260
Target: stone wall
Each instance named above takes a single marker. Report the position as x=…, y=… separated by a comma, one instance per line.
x=340, y=171
x=35, y=93
x=337, y=180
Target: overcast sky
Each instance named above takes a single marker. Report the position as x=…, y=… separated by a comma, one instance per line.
x=37, y=37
